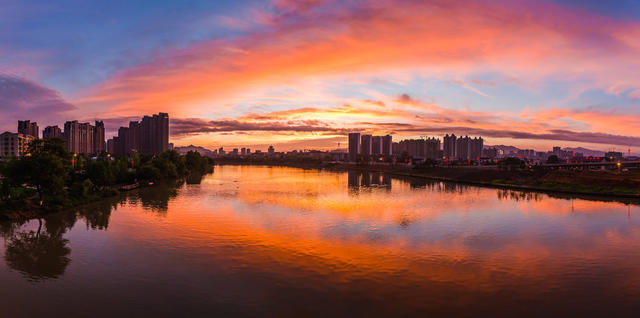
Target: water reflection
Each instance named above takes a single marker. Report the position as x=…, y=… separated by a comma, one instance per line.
x=364, y=179
x=194, y=178
x=38, y=249
x=255, y=240
x=97, y=215
x=42, y=253
x=157, y=198
x=505, y=194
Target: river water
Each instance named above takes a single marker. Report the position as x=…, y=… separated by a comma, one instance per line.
x=285, y=242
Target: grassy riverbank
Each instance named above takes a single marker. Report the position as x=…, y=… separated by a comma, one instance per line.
x=603, y=183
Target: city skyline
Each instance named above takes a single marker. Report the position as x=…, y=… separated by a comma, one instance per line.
x=131, y=138
x=150, y=136
x=532, y=74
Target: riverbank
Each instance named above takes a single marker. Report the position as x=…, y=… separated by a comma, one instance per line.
x=50, y=181
x=593, y=183
x=30, y=209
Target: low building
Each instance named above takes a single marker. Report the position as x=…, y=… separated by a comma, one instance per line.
x=614, y=155
x=14, y=145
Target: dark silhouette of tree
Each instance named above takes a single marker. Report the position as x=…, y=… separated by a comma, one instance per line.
x=46, y=167
x=194, y=178
x=38, y=255
x=97, y=215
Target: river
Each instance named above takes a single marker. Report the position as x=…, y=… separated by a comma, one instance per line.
x=286, y=242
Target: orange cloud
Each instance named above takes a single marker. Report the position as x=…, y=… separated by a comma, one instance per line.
x=376, y=36
x=323, y=41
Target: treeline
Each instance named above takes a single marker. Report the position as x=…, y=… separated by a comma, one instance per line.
x=50, y=178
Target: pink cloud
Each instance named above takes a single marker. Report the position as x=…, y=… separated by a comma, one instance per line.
x=21, y=98
x=527, y=40
x=539, y=39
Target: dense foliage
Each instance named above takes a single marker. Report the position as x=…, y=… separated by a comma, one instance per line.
x=49, y=177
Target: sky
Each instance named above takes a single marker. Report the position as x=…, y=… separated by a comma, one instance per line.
x=302, y=74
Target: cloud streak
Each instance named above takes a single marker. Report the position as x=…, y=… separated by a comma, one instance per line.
x=198, y=126
x=321, y=38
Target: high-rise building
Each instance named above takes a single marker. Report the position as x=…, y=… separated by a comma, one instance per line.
x=80, y=138
x=13, y=144
x=477, y=144
x=72, y=136
x=449, y=146
x=134, y=136
x=154, y=134
x=432, y=148
x=26, y=127
x=376, y=145
x=365, y=145
x=354, y=146
x=462, y=148
x=419, y=148
x=123, y=146
x=271, y=150
x=149, y=137
x=387, y=145
x=51, y=132
x=111, y=145
x=98, y=138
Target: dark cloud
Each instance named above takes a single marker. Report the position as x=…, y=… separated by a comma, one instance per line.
x=21, y=98
x=228, y=126
x=191, y=126
x=405, y=98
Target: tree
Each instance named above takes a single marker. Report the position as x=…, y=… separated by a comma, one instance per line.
x=148, y=172
x=195, y=163
x=100, y=173
x=46, y=167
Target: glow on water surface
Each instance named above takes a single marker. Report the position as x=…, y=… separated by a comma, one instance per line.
x=255, y=241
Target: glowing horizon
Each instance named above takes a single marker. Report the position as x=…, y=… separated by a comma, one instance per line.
x=300, y=74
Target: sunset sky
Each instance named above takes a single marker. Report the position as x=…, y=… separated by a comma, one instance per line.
x=303, y=73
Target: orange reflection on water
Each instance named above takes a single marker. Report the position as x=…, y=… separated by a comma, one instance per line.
x=406, y=245
x=312, y=221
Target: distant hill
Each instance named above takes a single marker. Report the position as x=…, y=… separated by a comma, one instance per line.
x=505, y=149
x=203, y=151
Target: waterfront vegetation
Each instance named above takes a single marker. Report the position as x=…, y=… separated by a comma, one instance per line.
x=50, y=178
x=514, y=175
